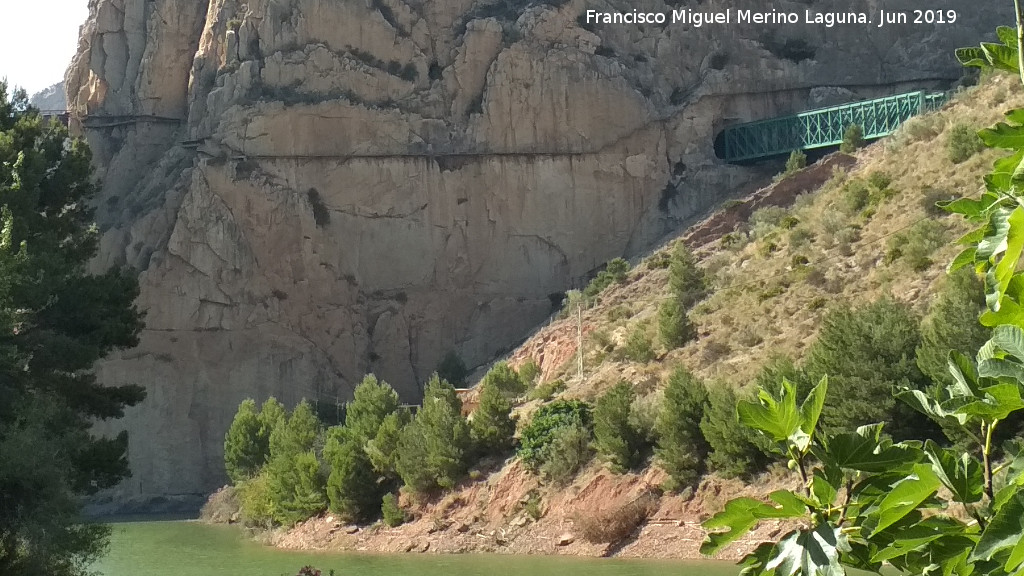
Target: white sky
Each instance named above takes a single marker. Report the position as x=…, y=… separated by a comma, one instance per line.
x=38, y=39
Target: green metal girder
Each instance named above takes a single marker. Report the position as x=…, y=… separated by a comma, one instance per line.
x=825, y=126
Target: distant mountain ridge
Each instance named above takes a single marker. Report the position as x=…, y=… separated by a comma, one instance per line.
x=51, y=98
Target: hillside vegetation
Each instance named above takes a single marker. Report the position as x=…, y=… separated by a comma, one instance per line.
x=646, y=432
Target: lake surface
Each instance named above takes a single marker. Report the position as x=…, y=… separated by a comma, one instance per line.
x=195, y=549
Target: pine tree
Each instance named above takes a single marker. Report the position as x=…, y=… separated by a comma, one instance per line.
x=733, y=448
x=615, y=438
x=352, y=486
x=674, y=327
x=952, y=324
x=372, y=401
x=272, y=412
x=243, y=454
x=294, y=479
x=56, y=320
x=682, y=448
x=505, y=379
x=433, y=448
x=492, y=426
x=383, y=449
x=866, y=353
x=685, y=278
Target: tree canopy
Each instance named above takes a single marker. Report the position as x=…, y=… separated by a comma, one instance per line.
x=56, y=321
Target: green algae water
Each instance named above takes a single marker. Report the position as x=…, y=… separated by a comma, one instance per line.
x=195, y=549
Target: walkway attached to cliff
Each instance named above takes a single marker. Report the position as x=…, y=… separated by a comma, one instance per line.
x=822, y=127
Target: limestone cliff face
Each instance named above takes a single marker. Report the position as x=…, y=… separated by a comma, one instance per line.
x=315, y=189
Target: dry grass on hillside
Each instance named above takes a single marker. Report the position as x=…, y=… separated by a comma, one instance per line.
x=776, y=278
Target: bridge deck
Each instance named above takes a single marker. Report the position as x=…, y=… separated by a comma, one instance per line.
x=824, y=127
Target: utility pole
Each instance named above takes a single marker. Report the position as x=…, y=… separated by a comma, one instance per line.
x=579, y=339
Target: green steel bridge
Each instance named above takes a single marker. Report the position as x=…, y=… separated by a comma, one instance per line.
x=822, y=127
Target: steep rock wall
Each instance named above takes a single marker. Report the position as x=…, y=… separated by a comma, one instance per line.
x=312, y=190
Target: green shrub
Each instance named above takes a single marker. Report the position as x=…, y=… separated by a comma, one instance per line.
x=768, y=245
x=255, y=501
x=766, y=220
x=245, y=452
x=686, y=279
x=505, y=380
x=536, y=437
x=681, y=447
x=855, y=196
x=735, y=241
x=963, y=143
x=567, y=452
x=879, y=180
x=916, y=245
x=800, y=237
x=674, y=328
x=453, y=369
x=492, y=425
x=615, y=437
x=853, y=139
x=643, y=417
x=534, y=506
x=392, y=513
x=797, y=161
x=866, y=352
x=615, y=271
x=733, y=448
x=618, y=269
x=547, y=390
x=433, y=449
x=638, y=346
x=529, y=372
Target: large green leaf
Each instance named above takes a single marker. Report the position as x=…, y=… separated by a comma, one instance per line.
x=1001, y=56
x=1003, y=135
x=777, y=418
x=973, y=56
x=1012, y=251
x=1010, y=311
x=905, y=496
x=810, y=410
x=1005, y=172
x=930, y=407
x=742, y=514
x=1007, y=35
x=865, y=453
x=907, y=539
x=959, y=472
x=1006, y=339
x=1004, y=530
x=998, y=402
x=810, y=552
x=825, y=484
x=753, y=564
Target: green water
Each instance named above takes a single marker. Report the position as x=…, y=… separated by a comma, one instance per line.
x=194, y=549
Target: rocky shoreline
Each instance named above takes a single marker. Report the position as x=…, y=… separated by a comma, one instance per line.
x=490, y=516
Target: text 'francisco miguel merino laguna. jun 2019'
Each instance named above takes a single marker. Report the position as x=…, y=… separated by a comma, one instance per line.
x=697, y=19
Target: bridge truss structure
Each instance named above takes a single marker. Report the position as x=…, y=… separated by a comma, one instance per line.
x=823, y=127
